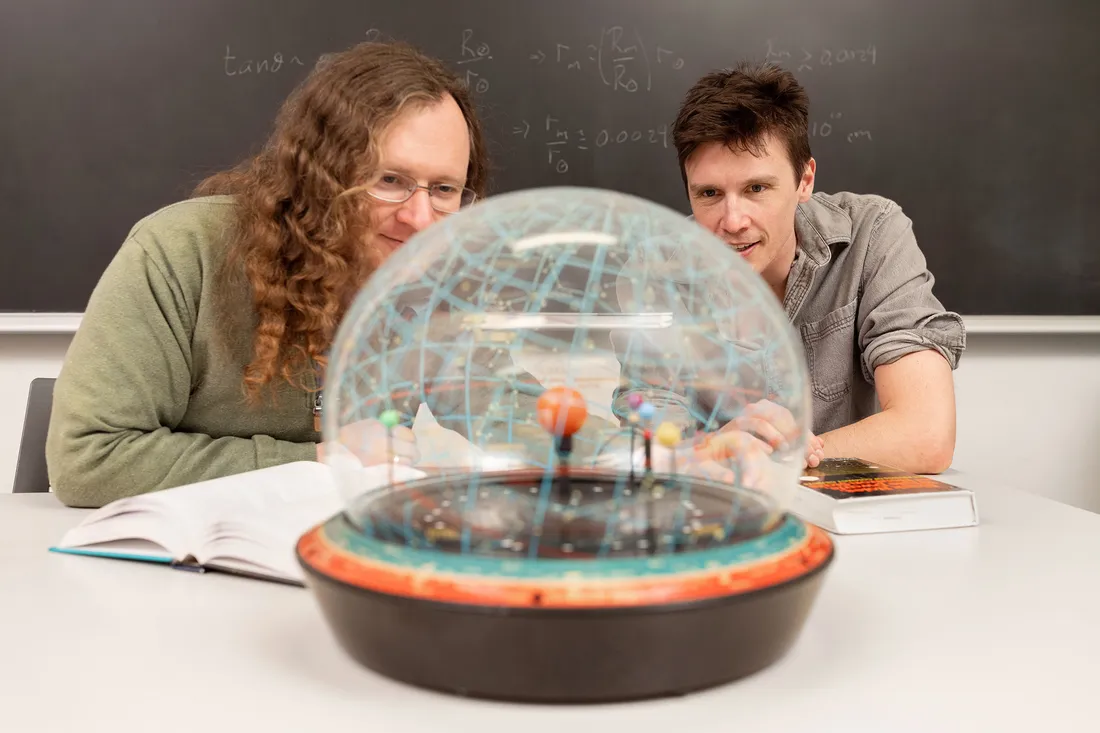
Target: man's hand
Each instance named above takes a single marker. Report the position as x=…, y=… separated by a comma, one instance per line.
x=725, y=457
x=775, y=425
x=815, y=451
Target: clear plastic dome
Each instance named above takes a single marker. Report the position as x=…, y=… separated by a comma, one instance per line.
x=565, y=373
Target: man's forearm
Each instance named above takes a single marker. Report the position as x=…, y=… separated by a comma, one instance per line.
x=891, y=439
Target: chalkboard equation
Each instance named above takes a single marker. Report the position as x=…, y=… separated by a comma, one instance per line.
x=235, y=66
x=577, y=93
x=820, y=57
x=621, y=61
x=620, y=58
x=471, y=52
x=559, y=138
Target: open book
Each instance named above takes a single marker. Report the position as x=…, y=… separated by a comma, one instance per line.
x=249, y=523
x=246, y=524
x=851, y=496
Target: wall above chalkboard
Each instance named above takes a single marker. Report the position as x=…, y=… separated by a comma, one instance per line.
x=978, y=117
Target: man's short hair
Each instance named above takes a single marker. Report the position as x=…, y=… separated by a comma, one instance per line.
x=741, y=107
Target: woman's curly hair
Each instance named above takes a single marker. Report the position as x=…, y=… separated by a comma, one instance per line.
x=303, y=226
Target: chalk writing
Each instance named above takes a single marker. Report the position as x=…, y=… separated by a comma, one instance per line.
x=476, y=52
x=619, y=57
x=476, y=82
x=560, y=140
x=810, y=58
x=235, y=66
x=831, y=125
x=561, y=137
x=473, y=51
x=677, y=62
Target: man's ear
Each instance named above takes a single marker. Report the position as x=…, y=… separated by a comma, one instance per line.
x=806, y=184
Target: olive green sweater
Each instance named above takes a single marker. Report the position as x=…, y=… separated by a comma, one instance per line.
x=150, y=394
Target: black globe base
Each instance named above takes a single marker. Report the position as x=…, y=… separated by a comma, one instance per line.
x=566, y=655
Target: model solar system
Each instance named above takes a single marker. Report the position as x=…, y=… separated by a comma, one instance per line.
x=593, y=511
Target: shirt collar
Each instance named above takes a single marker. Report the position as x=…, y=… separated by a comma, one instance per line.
x=819, y=224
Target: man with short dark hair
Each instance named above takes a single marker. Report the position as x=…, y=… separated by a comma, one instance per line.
x=846, y=268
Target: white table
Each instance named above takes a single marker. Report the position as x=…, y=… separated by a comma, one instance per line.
x=995, y=628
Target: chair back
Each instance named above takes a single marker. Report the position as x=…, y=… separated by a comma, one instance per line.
x=30, y=467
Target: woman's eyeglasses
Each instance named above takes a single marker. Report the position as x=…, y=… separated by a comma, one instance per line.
x=397, y=188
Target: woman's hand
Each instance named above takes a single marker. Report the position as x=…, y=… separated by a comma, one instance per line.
x=369, y=442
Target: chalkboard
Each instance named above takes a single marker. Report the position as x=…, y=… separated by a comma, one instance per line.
x=979, y=117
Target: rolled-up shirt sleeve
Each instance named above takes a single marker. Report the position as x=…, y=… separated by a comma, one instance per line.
x=898, y=313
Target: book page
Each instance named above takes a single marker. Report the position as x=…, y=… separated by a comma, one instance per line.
x=181, y=520
x=258, y=533
x=250, y=521
x=264, y=540
x=132, y=521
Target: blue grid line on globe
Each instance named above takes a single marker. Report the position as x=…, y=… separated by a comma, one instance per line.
x=471, y=496
x=681, y=510
x=621, y=482
x=443, y=291
x=468, y=412
x=634, y=352
x=545, y=487
x=489, y=284
x=731, y=362
x=585, y=305
x=440, y=291
x=461, y=306
x=643, y=225
x=396, y=289
x=540, y=298
x=407, y=530
x=735, y=501
x=634, y=221
x=547, y=284
x=680, y=363
x=382, y=394
x=691, y=393
x=503, y=278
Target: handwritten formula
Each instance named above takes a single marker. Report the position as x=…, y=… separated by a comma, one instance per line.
x=235, y=65
x=619, y=57
x=833, y=126
x=807, y=59
x=472, y=52
x=560, y=139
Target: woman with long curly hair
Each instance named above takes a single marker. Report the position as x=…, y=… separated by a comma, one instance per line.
x=201, y=348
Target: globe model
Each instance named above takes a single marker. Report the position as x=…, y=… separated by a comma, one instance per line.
x=562, y=418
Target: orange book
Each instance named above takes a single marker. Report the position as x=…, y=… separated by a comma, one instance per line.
x=852, y=496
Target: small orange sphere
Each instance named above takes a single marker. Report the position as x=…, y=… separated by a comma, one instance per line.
x=562, y=411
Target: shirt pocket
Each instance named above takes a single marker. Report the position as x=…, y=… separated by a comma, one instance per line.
x=830, y=350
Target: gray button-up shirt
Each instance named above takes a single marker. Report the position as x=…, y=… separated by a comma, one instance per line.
x=860, y=295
